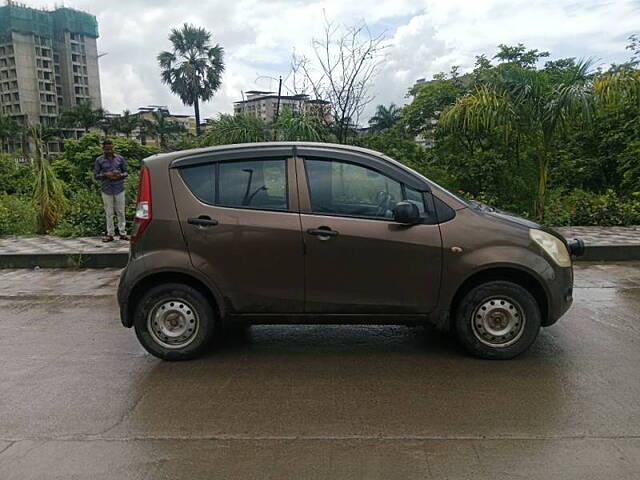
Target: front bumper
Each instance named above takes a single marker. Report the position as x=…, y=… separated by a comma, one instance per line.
x=560, y=294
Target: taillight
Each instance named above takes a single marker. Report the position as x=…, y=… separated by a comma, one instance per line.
x=143, y=209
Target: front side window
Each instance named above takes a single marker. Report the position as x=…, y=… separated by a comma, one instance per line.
x=260, y=184
x=343, y=188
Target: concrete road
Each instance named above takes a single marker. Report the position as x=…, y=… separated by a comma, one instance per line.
x=79, y=398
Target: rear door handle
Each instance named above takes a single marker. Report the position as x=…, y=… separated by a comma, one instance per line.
x=203, y=221
x=322, y=232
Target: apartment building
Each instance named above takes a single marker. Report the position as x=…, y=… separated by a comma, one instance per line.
x=48, y=62
x=265, y=104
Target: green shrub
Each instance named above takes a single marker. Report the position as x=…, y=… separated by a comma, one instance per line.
x=585, y=208
x=14, y=177
x=85, y=217
x=17, y=215
x=75, y=165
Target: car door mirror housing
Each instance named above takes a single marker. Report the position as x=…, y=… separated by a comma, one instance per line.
x=406, y=213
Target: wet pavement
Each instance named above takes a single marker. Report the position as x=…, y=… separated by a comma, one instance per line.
x=79, y=398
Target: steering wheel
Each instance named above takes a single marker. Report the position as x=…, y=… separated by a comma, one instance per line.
x=384, y=200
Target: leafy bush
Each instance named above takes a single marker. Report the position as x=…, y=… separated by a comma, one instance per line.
x=85, y=216
x=75, y=165
x=14, y=177
x=17, y=215
x=585, y=208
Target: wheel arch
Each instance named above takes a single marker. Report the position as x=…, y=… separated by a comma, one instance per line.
x=519, y=276
x=157, y=278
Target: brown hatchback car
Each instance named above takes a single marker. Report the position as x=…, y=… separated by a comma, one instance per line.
x=287, y=233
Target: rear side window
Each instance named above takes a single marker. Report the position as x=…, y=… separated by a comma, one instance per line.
x=253, y=184
x=260, y=184
x=201, y=180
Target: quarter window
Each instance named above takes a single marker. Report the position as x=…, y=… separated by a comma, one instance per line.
x=416, y=197
x=201, y=180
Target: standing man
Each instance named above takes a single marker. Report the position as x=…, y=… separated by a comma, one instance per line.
x=111, y=169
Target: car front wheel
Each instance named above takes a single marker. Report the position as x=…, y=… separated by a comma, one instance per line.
x=174, y=322
x=497, y=320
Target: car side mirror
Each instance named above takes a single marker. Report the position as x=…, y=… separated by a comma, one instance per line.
x=406, y=213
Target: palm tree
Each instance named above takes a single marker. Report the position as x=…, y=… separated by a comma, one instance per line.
x=524, y=102
x=299, y=127
x=618, y=87
x=384, y=117
x=165, y=128
x=236, y=129
x=82, y=116
x=127, y=123
x=108, y=125
x=48, y=190
x=145, y=127
x=193, y=69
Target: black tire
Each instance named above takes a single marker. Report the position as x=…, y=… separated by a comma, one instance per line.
x=198, y=308
x=519, y=310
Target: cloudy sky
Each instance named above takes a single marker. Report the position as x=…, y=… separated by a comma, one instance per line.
x=425, y=37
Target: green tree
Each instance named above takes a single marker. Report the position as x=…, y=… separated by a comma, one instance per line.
x=396, y=143
x=108, y=125
x=300, y=127
x=385, y=117
x=521, y=101
x=193, y=68
x=236, y=129
x=127, y=123
x=9, y=128
x=165, y=128
x=82, y=116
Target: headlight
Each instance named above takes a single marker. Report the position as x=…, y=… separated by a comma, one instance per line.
x=553, y=246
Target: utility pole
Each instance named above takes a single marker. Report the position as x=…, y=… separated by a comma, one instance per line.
x=275, y=130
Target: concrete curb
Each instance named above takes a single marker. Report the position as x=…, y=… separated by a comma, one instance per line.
x=610, y=253
x=64, y=260
x=594, y=253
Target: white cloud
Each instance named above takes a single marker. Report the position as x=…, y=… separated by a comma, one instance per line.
x=426, y=36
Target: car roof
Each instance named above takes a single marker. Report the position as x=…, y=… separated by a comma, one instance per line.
x=170, y=156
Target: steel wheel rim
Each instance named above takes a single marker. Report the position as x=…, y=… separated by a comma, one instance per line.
x=498, y=322
x=173, y=323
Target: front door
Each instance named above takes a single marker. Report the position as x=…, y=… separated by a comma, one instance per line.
x=358, y=260
x=241, y=224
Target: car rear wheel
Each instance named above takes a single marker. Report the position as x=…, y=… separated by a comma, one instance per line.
x=174, y=322
x=497, y=320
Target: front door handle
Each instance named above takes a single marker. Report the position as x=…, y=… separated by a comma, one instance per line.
x=322, y=232
x=203, y=221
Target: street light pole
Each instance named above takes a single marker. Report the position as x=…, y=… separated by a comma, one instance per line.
x=275, y=130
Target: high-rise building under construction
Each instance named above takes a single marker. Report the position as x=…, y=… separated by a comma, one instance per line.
x=48, y=62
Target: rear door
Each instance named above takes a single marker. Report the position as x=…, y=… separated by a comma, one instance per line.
x=358, y=260
x=241, y=224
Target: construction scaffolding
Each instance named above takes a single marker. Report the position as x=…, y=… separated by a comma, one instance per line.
x=46, y=23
